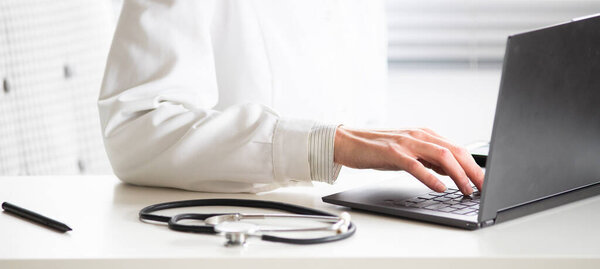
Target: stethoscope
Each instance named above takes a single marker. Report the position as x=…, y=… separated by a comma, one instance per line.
x=237, y=232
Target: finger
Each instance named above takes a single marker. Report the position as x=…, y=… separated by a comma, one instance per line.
x=443, y=158
x=464, y=158
x=416, y=169
x=471, y=168
x=435, y=168
x=439, y=170
x=425, y=163
x=431, y=132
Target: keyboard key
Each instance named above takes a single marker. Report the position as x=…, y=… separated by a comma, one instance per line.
x=415, y=200
x=410, y=204
x=451, y=202
x=427, y=196
x=426, y=203
x=453, y=195
x=459, y=206
x=463, y=211
x=474, y=213
x=442, y=199
x=436, y=206
x=447, y=209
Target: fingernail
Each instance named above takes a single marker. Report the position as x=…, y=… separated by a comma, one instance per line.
x=440, y=187
x=467, y=189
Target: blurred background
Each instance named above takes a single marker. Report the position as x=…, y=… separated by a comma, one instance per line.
x=468, y=33
x=445, y=59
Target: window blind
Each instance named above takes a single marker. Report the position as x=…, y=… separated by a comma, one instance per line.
x=471, y=32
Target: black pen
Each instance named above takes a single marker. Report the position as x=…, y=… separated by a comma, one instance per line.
x=30, y=215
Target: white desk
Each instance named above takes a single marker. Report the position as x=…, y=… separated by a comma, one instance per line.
x=107, y=233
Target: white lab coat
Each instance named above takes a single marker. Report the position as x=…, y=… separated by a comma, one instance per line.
x=191, y=88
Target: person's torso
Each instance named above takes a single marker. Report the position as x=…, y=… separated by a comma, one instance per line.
x=322, y=60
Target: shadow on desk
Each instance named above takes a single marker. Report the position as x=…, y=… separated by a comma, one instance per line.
x=134, y=195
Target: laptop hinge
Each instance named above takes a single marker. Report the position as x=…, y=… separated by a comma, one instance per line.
x=548, y=202
x=487, y=223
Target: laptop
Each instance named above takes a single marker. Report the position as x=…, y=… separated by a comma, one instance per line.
x=545, y=144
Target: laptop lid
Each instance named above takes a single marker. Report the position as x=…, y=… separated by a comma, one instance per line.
x=546, y=134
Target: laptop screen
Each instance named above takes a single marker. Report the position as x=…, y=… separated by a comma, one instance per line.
x=546, y=137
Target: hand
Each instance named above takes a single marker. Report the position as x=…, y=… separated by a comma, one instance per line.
x=412, y=150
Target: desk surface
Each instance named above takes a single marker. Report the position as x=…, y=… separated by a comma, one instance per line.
x=107, y=233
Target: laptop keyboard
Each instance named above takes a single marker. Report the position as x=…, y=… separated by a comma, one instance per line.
x=450, y=201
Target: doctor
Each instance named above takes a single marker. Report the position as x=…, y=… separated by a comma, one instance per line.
x=191, y=90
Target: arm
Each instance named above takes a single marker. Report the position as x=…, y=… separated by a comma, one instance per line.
x=156, y=110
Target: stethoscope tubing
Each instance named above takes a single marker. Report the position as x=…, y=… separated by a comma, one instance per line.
x=172, y=221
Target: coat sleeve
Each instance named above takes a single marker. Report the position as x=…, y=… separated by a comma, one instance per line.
x=156, y=110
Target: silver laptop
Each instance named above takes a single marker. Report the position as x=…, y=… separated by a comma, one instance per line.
x=545, y=145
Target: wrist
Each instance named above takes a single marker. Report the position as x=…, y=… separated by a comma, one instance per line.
x=356, y=148
x=342, y=137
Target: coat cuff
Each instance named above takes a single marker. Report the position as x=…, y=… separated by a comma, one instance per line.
x=320, y=153
x=290, y=152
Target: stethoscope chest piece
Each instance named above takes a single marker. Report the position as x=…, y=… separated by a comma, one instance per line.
x=236, y=233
